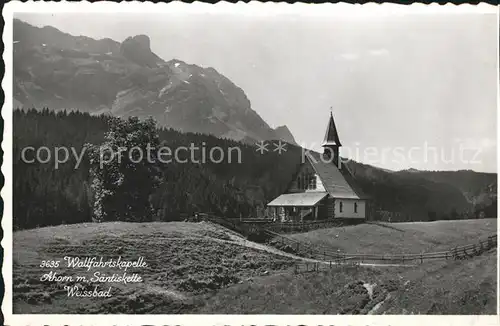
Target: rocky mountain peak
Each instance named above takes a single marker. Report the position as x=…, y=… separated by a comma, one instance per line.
x=138, y=49
x=283, y=133
x=142, y=40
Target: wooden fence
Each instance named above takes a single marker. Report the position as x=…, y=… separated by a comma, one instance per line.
x=324, y=253
x=288, y=227
x=326, y=257
x=350, y=260
x=279, y=227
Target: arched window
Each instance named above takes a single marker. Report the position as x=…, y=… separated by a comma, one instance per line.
x=355, y=207
x=341, y=206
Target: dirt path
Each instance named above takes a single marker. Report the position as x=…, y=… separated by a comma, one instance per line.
x=237, y=239
x=375, y=309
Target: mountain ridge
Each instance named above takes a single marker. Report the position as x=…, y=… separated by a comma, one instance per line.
x=57, y=70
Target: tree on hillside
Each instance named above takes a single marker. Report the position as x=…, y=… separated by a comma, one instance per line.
x=124, y=171
x=454, y=214
x=431, y=216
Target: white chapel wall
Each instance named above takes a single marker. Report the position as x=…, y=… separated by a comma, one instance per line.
x=348, y=208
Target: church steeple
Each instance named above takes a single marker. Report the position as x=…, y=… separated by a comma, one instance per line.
x=331, y=143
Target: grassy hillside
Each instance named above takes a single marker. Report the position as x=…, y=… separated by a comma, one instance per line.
x=185, y=260
x=455, y=287
x=414, y=237
x=204, y=268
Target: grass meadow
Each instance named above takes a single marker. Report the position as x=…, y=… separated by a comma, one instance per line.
x=205, y=268
x=400, y=238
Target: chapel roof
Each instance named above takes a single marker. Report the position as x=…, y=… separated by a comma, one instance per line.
x=338, y=182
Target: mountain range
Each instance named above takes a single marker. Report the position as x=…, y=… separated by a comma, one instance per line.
x=60, y=71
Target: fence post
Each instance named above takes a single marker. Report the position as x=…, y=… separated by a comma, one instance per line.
x=324, y=254
x=421, y=258
x=330, y=264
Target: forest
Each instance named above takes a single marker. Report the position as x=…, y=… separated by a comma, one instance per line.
x=45, y=195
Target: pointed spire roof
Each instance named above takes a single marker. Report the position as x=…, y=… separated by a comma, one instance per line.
x=331, y=136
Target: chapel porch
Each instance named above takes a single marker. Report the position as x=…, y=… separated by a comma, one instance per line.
x=299, y=207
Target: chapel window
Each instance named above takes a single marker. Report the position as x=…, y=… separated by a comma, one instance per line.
x=312, y=184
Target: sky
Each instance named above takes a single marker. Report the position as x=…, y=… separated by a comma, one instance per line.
x=406, y=91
